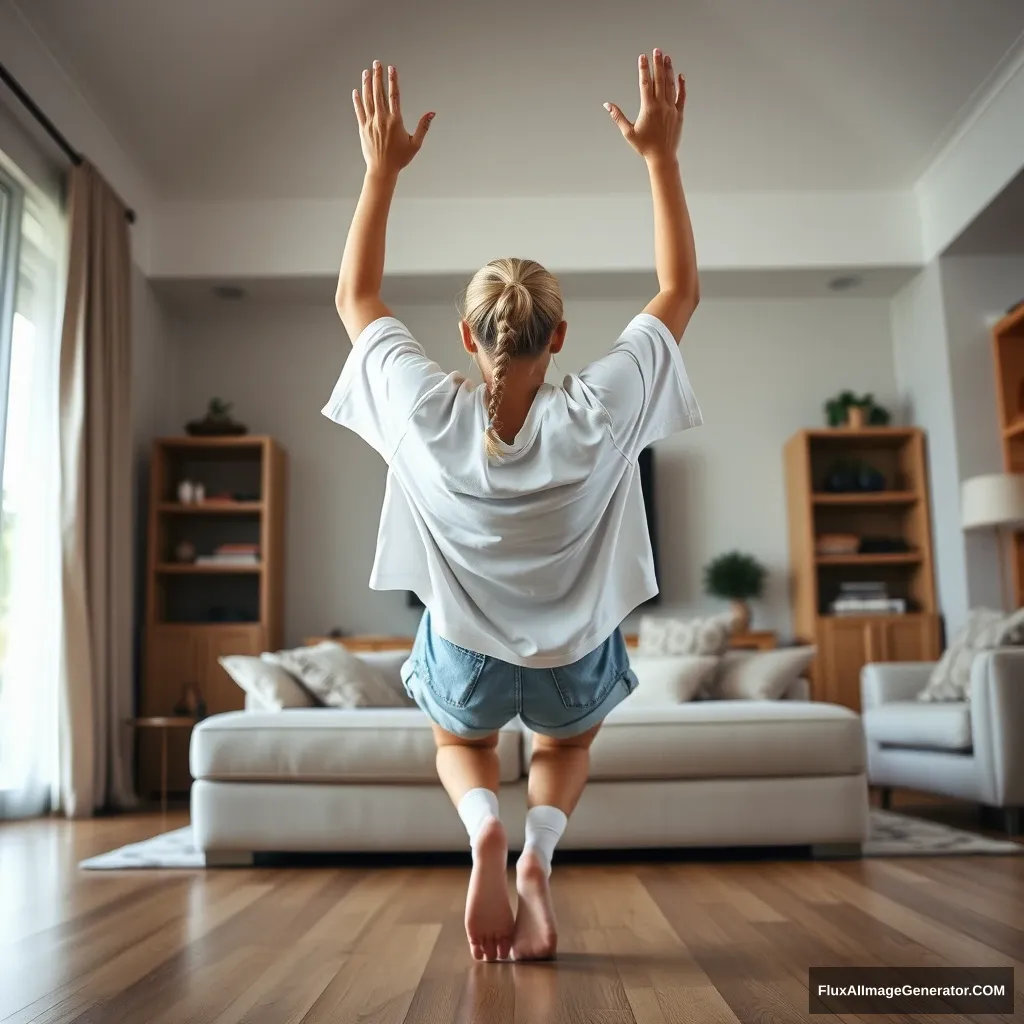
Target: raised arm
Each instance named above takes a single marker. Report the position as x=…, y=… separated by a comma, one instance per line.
x=387, y=148
x=655, y=136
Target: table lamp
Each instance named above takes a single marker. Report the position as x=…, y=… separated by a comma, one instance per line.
x=994, y=501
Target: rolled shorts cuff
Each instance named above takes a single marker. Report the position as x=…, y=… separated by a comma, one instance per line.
x=436, y=712
x=622, y=688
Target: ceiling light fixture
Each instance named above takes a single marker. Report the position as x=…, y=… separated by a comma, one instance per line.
x=845, y=282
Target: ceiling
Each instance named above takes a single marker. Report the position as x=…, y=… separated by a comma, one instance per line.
x=248, y=99
x=999, y=229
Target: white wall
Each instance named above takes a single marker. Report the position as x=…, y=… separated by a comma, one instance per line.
x=923, y=375
x=977, y=290
x=761, y=370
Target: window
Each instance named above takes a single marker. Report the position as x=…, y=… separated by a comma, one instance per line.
x=31, y=271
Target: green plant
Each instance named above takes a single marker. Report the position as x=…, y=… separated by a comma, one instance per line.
x=734, y=577
x=218, y=408
x=837, y=409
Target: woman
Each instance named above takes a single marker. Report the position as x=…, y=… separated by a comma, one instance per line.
x=514, y=509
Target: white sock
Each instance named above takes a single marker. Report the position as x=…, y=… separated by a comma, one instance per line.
x=544, y=827
x=476, y=808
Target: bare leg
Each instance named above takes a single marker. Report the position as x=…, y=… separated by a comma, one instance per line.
x=464, y=765
x=558, y=774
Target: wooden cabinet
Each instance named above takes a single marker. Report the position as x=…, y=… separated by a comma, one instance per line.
x=205, y=599
x=847, y=644
x=891, y=550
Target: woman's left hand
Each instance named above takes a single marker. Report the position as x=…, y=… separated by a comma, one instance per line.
x=387, y=146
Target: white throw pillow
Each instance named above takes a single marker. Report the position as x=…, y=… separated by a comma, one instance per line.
x=336, y=677
x=269, y=685
x=984, y=630
x=708, y=636
x=760, y=675
x=668, y=679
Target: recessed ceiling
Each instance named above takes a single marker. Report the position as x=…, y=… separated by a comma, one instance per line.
x=249, y=98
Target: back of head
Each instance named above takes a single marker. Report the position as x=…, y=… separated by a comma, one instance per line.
x=512, y=307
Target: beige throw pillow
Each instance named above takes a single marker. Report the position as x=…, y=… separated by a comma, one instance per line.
x=269, y=685
x=984, y=630
x=760, y=675
x=707, y=636
x=668, y=679
x=336, y=677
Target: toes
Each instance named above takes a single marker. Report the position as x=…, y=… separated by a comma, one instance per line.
x=504, y=948
x=490, y=947
x=477, y=950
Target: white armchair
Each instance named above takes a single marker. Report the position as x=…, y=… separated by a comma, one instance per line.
x=973, y=751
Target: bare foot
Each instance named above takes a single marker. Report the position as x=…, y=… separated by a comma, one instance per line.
x=489, y=921
x=536, y=935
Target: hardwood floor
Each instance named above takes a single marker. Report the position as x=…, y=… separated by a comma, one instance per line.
x=646, y=942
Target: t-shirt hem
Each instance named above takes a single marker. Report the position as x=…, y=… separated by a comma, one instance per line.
x=472, y=640
x=334, y=410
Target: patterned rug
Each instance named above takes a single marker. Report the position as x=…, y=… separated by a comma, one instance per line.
x=892, y=835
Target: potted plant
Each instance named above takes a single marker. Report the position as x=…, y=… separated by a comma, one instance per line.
x=850, y=410
x=217, y=422
x=738, y=578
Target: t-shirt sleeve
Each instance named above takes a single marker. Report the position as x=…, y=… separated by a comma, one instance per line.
x=643, y=387
x=384, y=379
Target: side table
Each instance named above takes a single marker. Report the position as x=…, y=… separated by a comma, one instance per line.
x=164, y=724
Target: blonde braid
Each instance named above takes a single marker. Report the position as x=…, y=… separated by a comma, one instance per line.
x=501, y=356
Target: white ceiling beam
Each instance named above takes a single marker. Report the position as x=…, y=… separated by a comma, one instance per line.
x=978, y=162
x=304, y=238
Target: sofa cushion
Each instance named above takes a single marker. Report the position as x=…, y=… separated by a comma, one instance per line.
x=328, y=745
x=670, y=679
x=727, y=739
x=760, y=675
x=914, y=724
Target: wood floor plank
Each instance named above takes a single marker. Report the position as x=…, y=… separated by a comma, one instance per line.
x=650, y=942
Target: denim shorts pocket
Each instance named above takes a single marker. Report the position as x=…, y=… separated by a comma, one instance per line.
x=451, y=672
x=587, y=682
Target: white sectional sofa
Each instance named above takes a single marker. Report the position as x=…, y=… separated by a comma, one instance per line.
x=704, y=773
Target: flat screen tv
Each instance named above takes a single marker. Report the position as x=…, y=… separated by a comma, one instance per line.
x=645, y=463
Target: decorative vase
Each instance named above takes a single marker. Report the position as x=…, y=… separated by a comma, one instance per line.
x=198, y=493
x=856, y=417
x=186, y=492
x=185, y=552
x=740, y=617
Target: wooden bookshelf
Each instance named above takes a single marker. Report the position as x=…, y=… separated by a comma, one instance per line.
x=197, y=613
x=899, y=512
x=1008, y=353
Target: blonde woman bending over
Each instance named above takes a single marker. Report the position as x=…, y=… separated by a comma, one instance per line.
x=514, y=509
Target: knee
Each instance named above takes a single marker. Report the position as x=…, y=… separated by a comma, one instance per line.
x=549, y=744
x=445, y=739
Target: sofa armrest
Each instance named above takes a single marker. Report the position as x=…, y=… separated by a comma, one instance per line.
x=997, y=725
x=888, y=682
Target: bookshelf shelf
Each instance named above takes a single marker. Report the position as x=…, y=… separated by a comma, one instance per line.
x=206, y=568
x=870, y=498
x=893, y=558
x=211, y=508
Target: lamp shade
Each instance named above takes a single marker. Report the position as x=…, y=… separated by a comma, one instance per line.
x=996, y=499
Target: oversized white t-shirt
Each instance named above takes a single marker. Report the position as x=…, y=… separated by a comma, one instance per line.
x=534, y=558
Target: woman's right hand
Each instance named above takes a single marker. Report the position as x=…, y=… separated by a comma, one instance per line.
x=655, y=134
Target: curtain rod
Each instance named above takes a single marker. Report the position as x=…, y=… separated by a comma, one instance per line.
x=47, y=125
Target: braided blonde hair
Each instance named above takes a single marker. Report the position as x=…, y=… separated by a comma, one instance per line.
x=512, y=307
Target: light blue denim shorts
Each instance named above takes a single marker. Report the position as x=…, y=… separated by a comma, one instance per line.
x=473, y=695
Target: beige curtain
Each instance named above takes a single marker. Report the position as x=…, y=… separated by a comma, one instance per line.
x=96, y=502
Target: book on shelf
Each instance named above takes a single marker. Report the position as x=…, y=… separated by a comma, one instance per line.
x=869, y=606
x=228, y=560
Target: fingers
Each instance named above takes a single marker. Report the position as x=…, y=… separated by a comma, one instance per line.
x=658, y=83
x=681, y=95
x=421, y=129
x=393, y=97
x=646, y=93
x=357, y=102
x=622, y=122
x=380, y=102
x=670, y=82
x=367, y=93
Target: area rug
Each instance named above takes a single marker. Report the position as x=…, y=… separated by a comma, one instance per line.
x=892, y=835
